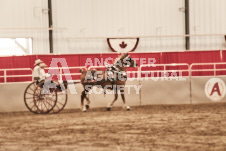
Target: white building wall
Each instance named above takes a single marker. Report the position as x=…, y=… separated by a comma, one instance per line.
x=16, y=15
x=114, y=18
x=117, y=18
x=207, y=17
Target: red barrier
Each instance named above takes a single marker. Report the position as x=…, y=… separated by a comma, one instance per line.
x=188, y=57
x=80, y=59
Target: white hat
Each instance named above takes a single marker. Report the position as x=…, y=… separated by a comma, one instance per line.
x=38, y=61
x=43, y=65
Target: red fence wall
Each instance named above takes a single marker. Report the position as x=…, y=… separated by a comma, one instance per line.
x=80, y=59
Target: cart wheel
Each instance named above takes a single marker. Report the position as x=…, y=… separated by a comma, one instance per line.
x=29, y=98
x=61, y=101
x=45, y=100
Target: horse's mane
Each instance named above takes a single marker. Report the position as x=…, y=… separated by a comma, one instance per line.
x=121, y=57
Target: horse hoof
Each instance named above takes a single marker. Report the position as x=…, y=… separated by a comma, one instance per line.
x=87, y=107
x=128, y=109
x=109, y=109
x=83, y=110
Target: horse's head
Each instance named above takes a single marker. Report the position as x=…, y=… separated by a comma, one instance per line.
x=126, y=61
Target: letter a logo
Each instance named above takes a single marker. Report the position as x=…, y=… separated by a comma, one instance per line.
x=215, y=89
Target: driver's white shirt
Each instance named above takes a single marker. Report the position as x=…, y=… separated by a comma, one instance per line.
x=39, y=72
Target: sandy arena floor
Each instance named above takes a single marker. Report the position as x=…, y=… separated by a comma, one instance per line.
x=159, y=127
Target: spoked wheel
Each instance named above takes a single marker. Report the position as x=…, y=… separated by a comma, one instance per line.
x=30, y=97
x=44, y=99
x=61, y=101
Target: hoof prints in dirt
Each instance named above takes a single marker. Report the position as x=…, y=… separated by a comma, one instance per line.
x=156, y=127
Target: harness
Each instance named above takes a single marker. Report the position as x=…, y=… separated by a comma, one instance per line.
x=113, y=70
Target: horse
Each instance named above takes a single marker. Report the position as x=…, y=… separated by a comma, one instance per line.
x=90, y=78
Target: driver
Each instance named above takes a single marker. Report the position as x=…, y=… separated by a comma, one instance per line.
x=37, y=70
x=42, y=78
x=39, y=74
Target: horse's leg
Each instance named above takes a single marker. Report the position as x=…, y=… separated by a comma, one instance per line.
x=124, y=101
x=116, y=97
x=87, y=102
x=83, y=95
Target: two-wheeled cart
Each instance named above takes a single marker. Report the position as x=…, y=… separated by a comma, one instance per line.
x=40, y=100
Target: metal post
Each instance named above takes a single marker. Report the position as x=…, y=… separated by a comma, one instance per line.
x=187, y=31
x=50, y=26
x=214, y=70
x=5, y=76
x=139, y=78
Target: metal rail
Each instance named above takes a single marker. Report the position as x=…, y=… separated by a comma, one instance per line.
x=61, y=74
x=149, y=36
x=5, y=75
x=61, y=69
x=214, y=68
x=59, y=28
x=188, y=68
x=164, y=68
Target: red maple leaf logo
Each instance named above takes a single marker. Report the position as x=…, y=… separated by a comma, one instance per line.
x=123, y=45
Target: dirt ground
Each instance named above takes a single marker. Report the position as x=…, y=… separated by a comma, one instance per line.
x=157, y=127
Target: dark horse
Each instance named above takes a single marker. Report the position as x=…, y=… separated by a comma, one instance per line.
x=90, y=78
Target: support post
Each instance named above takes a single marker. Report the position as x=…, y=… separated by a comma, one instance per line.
x=187, y=26
x=50, y=26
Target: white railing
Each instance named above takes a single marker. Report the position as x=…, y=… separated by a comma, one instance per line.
x=164, y=70
x=94, y=67
x=150, y=36
x=5, y=75
x=67, y=69
x=214, y=68
x=189, y=69
x=61, y=74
